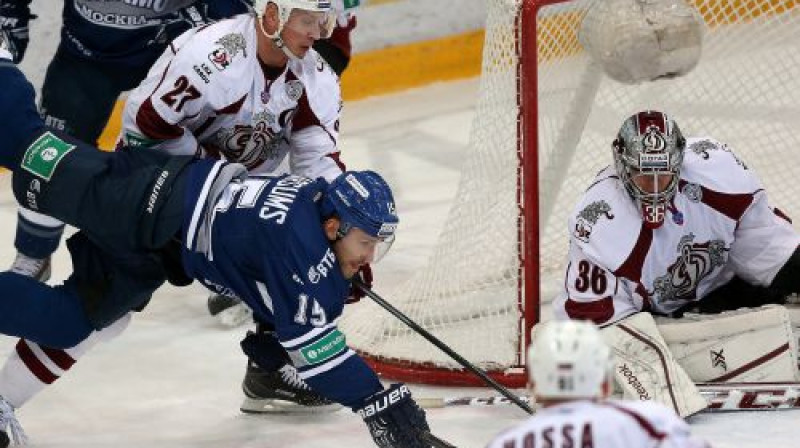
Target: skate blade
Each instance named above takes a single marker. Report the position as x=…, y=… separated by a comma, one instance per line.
x=277, y=406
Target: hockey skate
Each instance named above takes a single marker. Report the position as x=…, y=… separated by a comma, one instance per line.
x=229, y=311
x=9, y=426
x=36, y=268
x=281, y=391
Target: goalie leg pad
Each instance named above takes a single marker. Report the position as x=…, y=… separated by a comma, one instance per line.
x=645, y=369
x=745, y=345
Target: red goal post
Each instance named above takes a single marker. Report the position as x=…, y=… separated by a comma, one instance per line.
x=544, y=122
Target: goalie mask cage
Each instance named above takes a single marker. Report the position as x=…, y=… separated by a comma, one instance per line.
x=543, y=128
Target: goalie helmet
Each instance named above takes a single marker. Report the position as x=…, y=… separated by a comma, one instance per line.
x=362, y=199
x=649, y=151
x=326, y=22
x=568, y=360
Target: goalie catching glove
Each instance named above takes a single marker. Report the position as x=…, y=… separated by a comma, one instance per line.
x=394, y=419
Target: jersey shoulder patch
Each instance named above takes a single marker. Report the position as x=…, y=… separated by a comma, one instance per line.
x=221, y=56
x=712, y=164
x=605, y=224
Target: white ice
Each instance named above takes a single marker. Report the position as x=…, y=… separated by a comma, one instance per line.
x=172, y=379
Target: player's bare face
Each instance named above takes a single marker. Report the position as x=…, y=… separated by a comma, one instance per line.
x=304, y=28
x=652, y=183
x=354, y=250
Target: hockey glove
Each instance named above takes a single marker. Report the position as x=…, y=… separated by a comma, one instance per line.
x=14, y=29
x=394, y=419
x=356, y=293
x=263, y=348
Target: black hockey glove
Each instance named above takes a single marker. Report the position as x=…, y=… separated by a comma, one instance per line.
x=14, y=29
x=263, y=348
x=394, y=419
x=356, y=293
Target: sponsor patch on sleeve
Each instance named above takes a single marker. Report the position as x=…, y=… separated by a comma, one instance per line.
x=324, y=348
x=44, y=155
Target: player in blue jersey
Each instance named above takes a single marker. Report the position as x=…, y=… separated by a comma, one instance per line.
x=106, y=48
x=299, y=243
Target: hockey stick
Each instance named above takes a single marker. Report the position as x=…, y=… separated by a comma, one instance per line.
x=435, y=442
x=442, y=346
x=721, y=397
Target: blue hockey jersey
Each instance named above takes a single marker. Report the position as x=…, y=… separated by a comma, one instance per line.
x=261, y=239
x=131, y=32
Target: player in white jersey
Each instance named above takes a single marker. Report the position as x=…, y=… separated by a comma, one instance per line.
x=674, y=224
x=672, y=221
x=570, y=371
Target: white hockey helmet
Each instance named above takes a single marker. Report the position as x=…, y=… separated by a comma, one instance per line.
x=649, y=144
x=325, y=23
x=568, y=360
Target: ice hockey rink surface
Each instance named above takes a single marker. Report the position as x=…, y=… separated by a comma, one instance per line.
x=173, y=378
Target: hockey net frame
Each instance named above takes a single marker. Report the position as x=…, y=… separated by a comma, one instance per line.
x=542, y=200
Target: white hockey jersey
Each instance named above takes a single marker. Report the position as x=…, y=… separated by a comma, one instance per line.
x=719, y=224
x=208, y=95
x=606, y=424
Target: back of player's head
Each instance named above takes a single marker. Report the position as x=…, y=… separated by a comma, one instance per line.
x=362, y=199
x=568, y=360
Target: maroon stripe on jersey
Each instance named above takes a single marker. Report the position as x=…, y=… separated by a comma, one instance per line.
x=635, y=334
x=754, y=363
x=153, y=126
x=651, y=118
x=731, y=205
x=61, y=358
x=640, y=419
x=598, y=311
x=340, y=38
x=232, y=108
x=33, y=363
x=337, y=160
x=632, y=267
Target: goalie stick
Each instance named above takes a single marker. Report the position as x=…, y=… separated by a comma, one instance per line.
x=721, y=397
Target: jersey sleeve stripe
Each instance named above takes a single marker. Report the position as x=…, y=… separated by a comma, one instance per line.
x=329, y=365
x=265, y=297
x=293, y=344
x=197, y=213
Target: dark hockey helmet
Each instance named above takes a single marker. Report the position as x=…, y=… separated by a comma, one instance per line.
x=362, y=199
x=649, y=145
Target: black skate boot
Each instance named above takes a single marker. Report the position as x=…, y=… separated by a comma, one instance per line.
x=9, y=426
x=281, y=391
x=229, y=311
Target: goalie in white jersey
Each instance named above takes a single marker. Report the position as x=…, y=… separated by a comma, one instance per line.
x=673, y=225
x=570, y=372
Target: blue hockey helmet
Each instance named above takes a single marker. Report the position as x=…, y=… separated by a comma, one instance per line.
x=362, y=199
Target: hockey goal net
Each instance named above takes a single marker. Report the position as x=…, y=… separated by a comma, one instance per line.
x=543, y=126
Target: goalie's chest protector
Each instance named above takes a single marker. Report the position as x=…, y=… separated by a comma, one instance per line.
x=679, y=261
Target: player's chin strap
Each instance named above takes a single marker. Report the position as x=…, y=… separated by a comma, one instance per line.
x=278, y=40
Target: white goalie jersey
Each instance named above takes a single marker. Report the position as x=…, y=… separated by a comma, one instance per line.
x=718, y=224
x=611, y=423
x=208, y=95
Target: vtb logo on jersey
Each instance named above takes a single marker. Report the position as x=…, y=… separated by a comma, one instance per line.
x=695, y=262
